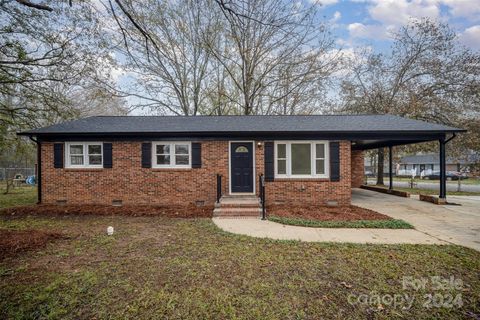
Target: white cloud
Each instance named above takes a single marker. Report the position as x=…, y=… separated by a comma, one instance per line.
x=398, y=12
x=324, y=3
x=336, y=16
x=471, y=37
x=389, y=15
x=463, y=8
x=372, y=31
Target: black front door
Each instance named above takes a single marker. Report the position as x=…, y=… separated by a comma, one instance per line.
x=241, y=166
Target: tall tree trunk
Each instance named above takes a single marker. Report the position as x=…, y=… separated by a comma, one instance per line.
x=381, y=160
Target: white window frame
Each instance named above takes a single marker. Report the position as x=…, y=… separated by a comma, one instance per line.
x=313, y=159
x=172, y=155
x=86, y=162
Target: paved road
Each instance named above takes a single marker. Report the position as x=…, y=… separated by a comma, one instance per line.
x=433, y=185
x=459, y=224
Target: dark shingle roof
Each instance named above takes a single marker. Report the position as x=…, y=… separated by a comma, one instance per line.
x=435, y=159
x=233, y=124
x=421, y=158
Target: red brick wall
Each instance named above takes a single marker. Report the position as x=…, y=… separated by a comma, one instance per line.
x=358, y=168
x=129, y=182
x=313, y=191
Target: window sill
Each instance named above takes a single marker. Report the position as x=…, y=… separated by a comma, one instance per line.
x=171, y=169
x=84, y=169
x=302, y=179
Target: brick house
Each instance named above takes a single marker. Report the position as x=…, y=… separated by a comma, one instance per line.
x=305, y=160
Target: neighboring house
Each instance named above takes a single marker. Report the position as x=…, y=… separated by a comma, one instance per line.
x=306, y=160
x=431, y=163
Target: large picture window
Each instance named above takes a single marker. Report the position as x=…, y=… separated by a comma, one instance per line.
x=84, y=155
x=171, y=155
x=301, y=159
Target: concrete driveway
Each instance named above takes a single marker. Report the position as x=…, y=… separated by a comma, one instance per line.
x=455, y=224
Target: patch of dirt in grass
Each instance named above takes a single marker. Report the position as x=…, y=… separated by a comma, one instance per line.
x=13, y=242
x=86, y=243
x=190, y=211
x=346, y=213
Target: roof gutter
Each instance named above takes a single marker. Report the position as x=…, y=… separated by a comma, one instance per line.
x=228, y=133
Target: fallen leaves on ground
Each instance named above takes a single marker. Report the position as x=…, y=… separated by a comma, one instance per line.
x=16, y=241
x=190, y=211
x=343, y=213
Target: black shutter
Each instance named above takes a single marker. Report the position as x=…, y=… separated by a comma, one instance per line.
x=196, y=155
x=269, y=161
x=107, y=155
x=58, y=155
x=146, y=155
x=334, y=161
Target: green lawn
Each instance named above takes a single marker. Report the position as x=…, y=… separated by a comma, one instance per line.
x=385, y=224
x=164, y=268
x=161, y=268
x=18, y=196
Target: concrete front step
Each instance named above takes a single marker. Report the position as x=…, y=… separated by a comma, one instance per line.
x=239, y=196
x=237, y=212
x=238, y=206
x=239, y=201
x=228, y=209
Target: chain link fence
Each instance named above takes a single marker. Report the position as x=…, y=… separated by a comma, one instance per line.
x=10, y=173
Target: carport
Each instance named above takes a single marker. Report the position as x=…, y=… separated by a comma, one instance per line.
x=390, y=139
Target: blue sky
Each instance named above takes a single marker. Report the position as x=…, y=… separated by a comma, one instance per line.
x=368, y=22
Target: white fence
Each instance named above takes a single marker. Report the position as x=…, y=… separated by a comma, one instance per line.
x=408, y=172
x=9, y=173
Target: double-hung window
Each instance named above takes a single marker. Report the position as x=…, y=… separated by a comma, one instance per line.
x=84, y=155
x=172, y=155
x=301, y=159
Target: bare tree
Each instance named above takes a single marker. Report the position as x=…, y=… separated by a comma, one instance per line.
x=280, y=50
x=170, y=69
x=247, y=57
x=428, y=75
x=41, y=51
x=47, y=52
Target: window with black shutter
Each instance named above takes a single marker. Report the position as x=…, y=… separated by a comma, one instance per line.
x=196, y=155
x=146, y=155
x=107, y=155
x=334, y=161
x=58, y=155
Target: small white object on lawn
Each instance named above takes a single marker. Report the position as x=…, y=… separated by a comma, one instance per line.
x=110, y=230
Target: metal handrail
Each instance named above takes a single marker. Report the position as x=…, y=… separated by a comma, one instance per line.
x=219, y=187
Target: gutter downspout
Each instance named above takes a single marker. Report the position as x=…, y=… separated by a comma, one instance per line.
x=39, y=169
